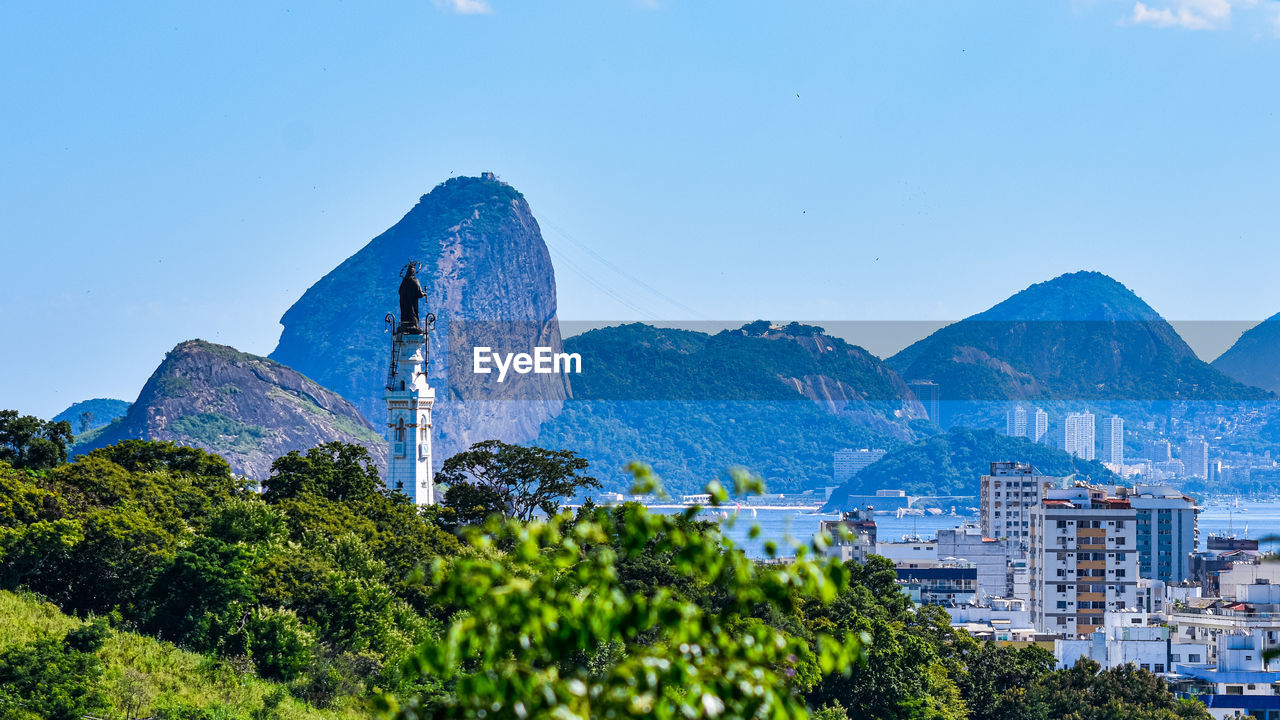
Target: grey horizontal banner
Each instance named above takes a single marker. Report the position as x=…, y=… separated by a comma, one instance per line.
x=899, y=369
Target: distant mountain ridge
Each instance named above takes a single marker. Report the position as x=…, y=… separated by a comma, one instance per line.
x=777, y=400
x=488, y=278
x=100, y=412
x=952, y=463
x=246, y=408
x=1254, y=359
x=1080, y=336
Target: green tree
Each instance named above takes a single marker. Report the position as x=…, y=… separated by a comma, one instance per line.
x=35, y=531
x=513, y=480
x=204, y=598
x=1087, y=692
x=991, y=669
x=50, y=679
x=548, y=630
x=335, y=471
x=281, y=646
x=909, y=669
x=29, y=443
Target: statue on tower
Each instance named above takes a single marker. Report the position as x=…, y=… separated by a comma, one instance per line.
x=410, y=293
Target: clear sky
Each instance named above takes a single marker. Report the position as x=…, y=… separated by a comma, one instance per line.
x=177, y=170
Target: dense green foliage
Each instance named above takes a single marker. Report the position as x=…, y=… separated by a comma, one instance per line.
x=951, y=463
x=515, y=481
x=552, y=629
x=52, y=678
x=347, y=597
x=305, y=583
x=131, y=675
x=29, y=443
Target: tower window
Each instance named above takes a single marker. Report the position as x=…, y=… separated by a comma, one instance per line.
x=400, y=430
x=401, y=384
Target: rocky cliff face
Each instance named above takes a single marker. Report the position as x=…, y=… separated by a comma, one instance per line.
x=246, y=408
x=489, y=280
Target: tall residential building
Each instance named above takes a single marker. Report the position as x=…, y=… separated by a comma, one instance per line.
x=1113, y=440
x=1040, y=426
x=1084, y=559
x=1007, y=495
x=1166, y=532
x=849, y=462
x=1015, y=422
x=929, y=395
x=1195, y=456
x=1077, y=435
x=1157, y=451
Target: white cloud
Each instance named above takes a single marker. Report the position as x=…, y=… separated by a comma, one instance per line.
x=465, y=7
x=1188, y=14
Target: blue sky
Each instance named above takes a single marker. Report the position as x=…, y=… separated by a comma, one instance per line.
x=179, y=170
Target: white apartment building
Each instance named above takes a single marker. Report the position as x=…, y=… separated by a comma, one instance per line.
x=1015, y=421
x=1125, y=637
x=1239, y=683
x=1113, y=440
x=849, y=462
x=1040, y=426
x=1078, y=435
x=1001, y=620
x=1021, y=422
x=1007, y=496
x=1084, y=559
x=1195, y=458
x=909, y=552
x=1249, y=606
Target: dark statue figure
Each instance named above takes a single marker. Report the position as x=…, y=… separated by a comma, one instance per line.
x=410, y=292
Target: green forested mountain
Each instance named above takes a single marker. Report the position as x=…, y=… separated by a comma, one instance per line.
x=1079, y=337
x=776, y=400
x=92, y=414
x=951, y=463
x=1254, y=359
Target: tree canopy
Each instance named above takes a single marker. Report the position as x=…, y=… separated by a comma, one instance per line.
x=29, y=443
x=346, y=594
x=512, y=480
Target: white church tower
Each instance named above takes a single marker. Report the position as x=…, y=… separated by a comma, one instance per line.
x=409, y=398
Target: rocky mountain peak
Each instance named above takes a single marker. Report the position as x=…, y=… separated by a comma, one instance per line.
x=248, y=409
